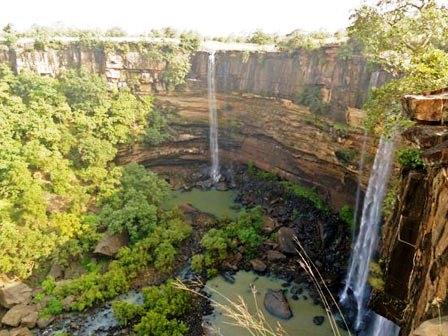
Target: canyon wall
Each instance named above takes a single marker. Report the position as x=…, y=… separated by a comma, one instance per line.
x=415, y=239
x=344, y=81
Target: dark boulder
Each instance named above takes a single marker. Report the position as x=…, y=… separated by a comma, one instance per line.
x=276, y=304
x=318, y=320
x=286, y=240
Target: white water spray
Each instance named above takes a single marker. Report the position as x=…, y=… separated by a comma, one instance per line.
x=213, y=116
x=366, y=242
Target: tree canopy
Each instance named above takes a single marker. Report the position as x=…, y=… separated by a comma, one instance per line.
x=408, y=39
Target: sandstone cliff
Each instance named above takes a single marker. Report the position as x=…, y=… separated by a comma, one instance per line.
x=415, y=239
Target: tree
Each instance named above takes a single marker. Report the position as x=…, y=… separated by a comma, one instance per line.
x=259, y=37
x=408, y=39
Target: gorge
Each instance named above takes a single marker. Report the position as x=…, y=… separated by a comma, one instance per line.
x=237, y=125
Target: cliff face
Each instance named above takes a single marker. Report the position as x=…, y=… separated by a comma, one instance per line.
x=415, y=239
x=275, y=135
x=343, y=82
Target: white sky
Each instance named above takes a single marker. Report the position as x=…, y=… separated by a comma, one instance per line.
x=206, y=17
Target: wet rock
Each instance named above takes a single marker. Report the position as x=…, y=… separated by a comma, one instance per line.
x=286, y=284
x=258, y=265
x=318, y=320
x=296, y=290
x=286, y=240
x=295, y=297
x=276, y=304
x=275, y=256
x=228, y=277
x=13, y=292
x=44, y=322
x=110, y=244
x=18, y=313
x=221, y=186
x=20, y=332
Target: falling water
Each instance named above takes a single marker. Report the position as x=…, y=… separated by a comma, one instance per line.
x=366, y=242
x=373, y=83
x=383, y=327
x=213, y=116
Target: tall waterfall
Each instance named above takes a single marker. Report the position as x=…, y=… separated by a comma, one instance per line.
x=213, y=116
x=366, y=242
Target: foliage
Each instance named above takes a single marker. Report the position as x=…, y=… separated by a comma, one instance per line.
x=308, y=194
x=391, y=197
x=133, y=207
x=126, y=312
x=346, y=215
x=259, y=37
x=346, y=155
x=53, y=307
x=301, y=40
x=376, y=277
x=410, y=158
x=9, y=36
x=95, y=287
x=261, y=174
x=407, y=38
x=218, y=243
x=58, y=142
x=311, y=96
x=163, y=305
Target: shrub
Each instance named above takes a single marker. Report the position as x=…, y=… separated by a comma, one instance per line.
x=346, y=214
x=53, y=307
x=155, y=324
x=311, y=97
x=346, y=156
x=376, y=277
x=410, y=158
x=308, y=194
x=125, y=312
x=197, y=263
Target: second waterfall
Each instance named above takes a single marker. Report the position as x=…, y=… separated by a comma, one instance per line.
x=213, y=116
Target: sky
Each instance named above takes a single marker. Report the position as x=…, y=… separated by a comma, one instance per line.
x=208, y=17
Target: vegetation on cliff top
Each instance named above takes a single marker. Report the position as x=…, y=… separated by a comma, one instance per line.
x=408, y=39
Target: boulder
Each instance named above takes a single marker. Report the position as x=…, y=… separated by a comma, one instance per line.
x=56, y=271
x=428, y=107
x=286, y=240
x=4, y=332
x=432, y=327
x=110, y=244
x=30, y=320
x=14, y=292
x=18, y=313
x=269, y=225
x=221, y=186
x=258, y=265
x=318, y=320
x=20, y=332
x=276, y=256
x=276, y=304
x=44, y=322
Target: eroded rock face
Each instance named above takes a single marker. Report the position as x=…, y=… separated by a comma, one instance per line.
x=276, y=304
x=415, y=239
x=429, y=107
x=274, y=136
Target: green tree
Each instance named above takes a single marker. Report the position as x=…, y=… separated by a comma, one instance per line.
x=408, y=39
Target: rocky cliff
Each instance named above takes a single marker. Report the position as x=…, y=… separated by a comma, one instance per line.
x=275, y=135
x=415, y=238
x=344, y=81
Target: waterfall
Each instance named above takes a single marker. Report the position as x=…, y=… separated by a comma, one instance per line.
x=213, y=116
x=373, y=82
x=383, y=327
x=366, y=243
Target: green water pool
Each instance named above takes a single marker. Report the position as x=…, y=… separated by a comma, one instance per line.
x=218, y=203
x=303, y=310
